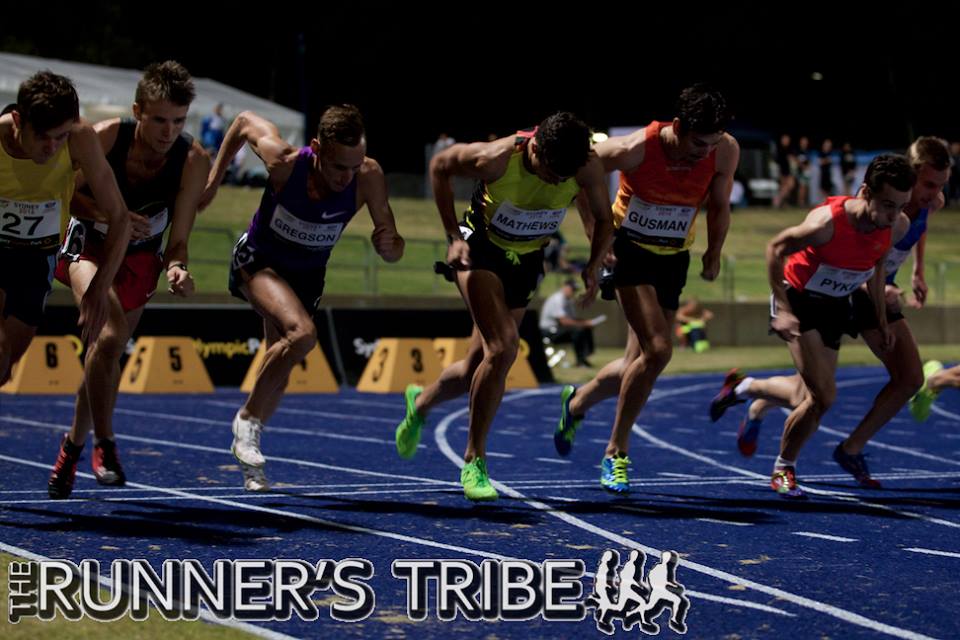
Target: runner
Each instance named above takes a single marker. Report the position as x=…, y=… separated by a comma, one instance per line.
x=279, y=264
x=525, y=184
x=161, y=172
x=668, y=169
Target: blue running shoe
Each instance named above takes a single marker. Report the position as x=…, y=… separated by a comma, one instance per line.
x=748, y=433
x=613, y=474
x=567, y=429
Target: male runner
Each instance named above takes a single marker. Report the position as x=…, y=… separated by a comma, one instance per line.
x=668, y=169
x=280, y=262
x=930, y=158
x=525, y=184
x=814, y=269
x=42, y=142
x=161, y=172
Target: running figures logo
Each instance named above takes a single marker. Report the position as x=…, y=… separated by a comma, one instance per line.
x=632, y=598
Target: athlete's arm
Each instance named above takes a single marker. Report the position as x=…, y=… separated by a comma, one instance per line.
x=83, y=206
x=264, y=138
x=193, y=180
x=485, y=161
x=373, y=192
x=918, y=280
x=88, y=156
x=815, y=230
x=877, y=284
x=593, y=185
x=622, y=153
x=718, y=205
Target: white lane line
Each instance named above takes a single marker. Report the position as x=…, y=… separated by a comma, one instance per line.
x=676, y=475
x=553, y=461
x=933, y=552
x=730, y=522
x=492, y=454
x=309, y=412
x=204, y=614
x=820, y=607
x=248, y=495
x=270, y=429
x=347, y=527
x=823, y=536
x=197, y=447
x=838, y=495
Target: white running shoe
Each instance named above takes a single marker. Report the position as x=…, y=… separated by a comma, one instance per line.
x=246, y=441
x=254, y=479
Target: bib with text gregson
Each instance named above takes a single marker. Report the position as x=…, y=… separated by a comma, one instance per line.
x=310, y=235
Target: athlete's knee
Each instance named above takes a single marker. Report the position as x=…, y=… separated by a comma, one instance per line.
x=109, y=345
x=660, y=352
x=502, y=351
x=909, y=379
x=300, y=338
x=822, y=396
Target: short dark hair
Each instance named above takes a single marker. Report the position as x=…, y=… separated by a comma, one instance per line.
x=46, y=100
x=341, y=123
x=929, y=150
x=891, y=169
x=166, y=81
x=703, y=109
x=563, y=143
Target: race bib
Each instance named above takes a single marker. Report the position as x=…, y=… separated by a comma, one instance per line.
x=512, y=223
x=836, y=282
x=30, y=224
x=659, y=224
x=895, y=259
x=309, y=235
x=158, y=224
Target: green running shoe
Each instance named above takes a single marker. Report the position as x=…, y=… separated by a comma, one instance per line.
x=613, y=474
x=408, y=431
x=476, y=481
x=922, y=400
x=567, y=429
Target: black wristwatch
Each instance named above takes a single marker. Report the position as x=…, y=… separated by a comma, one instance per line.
x=182, y=265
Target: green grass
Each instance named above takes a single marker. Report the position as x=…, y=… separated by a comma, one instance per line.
x=355, y=269
x=154, y=628
x=749, y=359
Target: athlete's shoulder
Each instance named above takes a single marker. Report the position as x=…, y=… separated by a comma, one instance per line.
x=197, y=156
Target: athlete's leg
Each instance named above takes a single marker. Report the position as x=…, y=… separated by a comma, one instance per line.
x=906, y=376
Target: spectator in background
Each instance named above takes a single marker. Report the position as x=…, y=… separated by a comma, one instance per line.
x=443, y=141
x=691, y=325
x=786, y=162
x=558, y=322
x=827, y=188
x=212, y=128
x=848, y=168
x=803, y=171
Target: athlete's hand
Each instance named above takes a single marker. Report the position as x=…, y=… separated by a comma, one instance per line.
x=919, y=292
x=458, y=255
x=180, y=282
x=591, y=284
x=786, y=325
x=94, y=307
x=388, y=244
x=139, y=226
x=711, y=266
